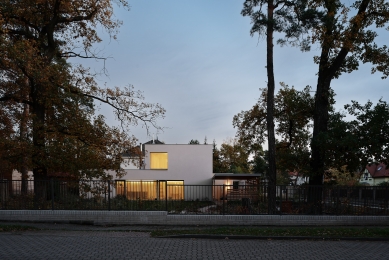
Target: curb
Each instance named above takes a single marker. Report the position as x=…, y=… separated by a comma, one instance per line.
x=194, y=236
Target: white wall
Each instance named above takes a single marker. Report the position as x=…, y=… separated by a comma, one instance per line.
x=189, y=163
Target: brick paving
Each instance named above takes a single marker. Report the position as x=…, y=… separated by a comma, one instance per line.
x=73, y=244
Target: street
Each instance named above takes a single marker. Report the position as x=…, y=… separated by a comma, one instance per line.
x=62, y=244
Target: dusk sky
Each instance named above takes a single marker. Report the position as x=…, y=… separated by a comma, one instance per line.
x=197, y=59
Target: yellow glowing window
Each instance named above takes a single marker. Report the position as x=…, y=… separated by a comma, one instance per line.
x=158, y=161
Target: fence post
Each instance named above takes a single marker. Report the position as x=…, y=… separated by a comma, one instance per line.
x=52, y=193
x=281, y=189
x=224, y=198
x=338, y=204
x=109, y=195
x=386, y=200
x=166, y=196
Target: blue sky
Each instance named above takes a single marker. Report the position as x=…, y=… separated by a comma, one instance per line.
x=197, y=59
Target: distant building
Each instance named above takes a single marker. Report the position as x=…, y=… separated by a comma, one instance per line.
x=374, y=174
x=296, y=179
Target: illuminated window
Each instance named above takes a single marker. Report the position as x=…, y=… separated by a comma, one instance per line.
x=158, y=161
x=175, y=190
x=137, y=190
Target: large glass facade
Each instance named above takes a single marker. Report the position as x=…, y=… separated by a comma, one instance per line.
x=135, y=190
x=150, y=190
x=175, y=190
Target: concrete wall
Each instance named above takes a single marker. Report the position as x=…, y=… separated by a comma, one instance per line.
x=189, y=163
x=162, y=218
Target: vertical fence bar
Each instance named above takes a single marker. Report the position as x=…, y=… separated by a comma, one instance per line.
x=386, y=195
x=224, y=198
x=52, y=193
x=166, y=196
x=280, y=198
x=109, y=195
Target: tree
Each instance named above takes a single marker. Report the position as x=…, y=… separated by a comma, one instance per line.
x=363, y=140
x=371, y=129
x=341, y=177
x=234, y=157
x=37, y=41
x=194, y=141
x=349, y=145
x=293, y=113
x=344, y=43
x=218, y=167
x=280, y=17
x=7, y=151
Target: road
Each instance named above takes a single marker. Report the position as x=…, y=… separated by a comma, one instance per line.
x=90, y=244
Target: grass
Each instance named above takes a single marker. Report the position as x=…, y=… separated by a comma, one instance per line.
x=12, y=228
x=322, y=232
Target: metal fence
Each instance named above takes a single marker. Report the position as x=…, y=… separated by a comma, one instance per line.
x=191, y=199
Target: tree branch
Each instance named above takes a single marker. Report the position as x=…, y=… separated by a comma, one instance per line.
x=285, y=3
x=28, y=35
x=77, y=18
x=71, y=54
x=337, y=63
x=14, y=98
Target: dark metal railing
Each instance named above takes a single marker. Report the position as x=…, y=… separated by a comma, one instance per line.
x=192, y=199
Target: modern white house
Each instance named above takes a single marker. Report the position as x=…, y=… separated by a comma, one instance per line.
x=158, y=165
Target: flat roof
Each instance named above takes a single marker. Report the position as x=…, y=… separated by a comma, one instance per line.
x=236, y=175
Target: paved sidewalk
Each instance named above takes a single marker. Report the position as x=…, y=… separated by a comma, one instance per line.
x=66, y=241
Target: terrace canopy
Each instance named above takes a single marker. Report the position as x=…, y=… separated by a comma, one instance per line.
x=237, y=177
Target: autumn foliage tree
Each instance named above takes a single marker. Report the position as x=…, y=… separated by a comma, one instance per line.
x=38, y=41
x=346, y=35
x=293, y=113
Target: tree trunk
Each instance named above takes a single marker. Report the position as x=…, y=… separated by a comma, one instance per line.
x=23, y=138
x=320, y=116
x=318, y=154
x=39, y=142
x=320, y=124
x=270, y=111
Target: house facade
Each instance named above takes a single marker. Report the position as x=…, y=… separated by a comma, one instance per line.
x=374, y=174
x=163, y=169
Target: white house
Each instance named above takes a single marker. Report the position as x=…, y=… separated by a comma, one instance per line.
x=166, y=165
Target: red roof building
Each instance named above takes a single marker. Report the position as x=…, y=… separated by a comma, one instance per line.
x=375, y=174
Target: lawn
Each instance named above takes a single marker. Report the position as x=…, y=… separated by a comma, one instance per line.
x=11, y=228
x=320, y=232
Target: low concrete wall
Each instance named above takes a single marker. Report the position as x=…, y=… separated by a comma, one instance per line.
x=162, y=218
